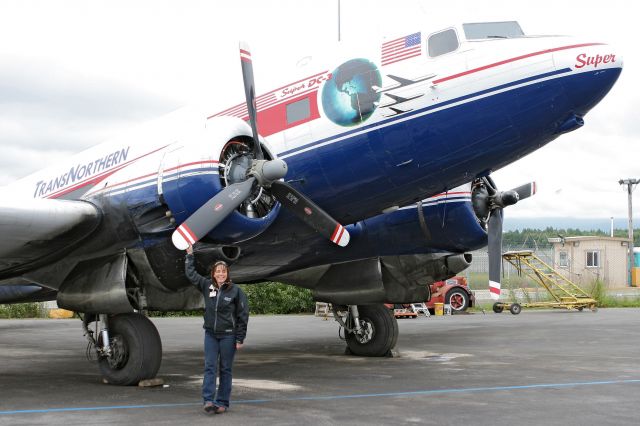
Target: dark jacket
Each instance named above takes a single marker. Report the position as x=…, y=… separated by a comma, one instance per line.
x=225, y=313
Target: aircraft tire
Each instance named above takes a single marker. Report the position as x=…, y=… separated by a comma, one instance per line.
x=385, y=331
x=138, y=350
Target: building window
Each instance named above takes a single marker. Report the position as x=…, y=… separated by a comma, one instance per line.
x=298, y=111
x=563, y=259
x=443, y=42
x=593, y=259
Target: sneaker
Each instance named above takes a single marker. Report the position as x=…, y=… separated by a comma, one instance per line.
x=221, y=410
x=209, y=407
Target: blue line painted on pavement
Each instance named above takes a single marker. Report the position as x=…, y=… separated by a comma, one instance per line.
x=106, y=407
x=335, y=397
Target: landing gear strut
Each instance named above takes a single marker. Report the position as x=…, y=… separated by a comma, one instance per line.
x=128, y=346
x=370, y=330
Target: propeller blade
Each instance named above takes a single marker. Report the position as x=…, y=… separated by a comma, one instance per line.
x=310, y=213
x=211, y=213
x=495, y=252
x=525, y=191
x=250, y=96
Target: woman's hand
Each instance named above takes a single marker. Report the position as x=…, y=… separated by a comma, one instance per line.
x=239, y=345
x=190, y=249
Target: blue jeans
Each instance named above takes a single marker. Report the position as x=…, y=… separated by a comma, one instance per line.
x=218, y=351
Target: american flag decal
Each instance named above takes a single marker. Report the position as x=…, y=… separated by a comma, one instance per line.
x=401, y=48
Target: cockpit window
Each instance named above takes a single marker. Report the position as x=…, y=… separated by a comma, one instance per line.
x=443, y=42
x=483, y=30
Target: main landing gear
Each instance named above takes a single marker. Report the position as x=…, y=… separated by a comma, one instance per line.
x=128, y=347
x=370, y=330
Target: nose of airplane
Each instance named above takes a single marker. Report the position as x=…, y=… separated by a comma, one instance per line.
x=592, y=70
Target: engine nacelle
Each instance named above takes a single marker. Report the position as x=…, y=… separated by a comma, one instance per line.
x=394, y=279
x=195, y=171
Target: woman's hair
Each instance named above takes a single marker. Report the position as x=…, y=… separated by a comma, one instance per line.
x=220, y=263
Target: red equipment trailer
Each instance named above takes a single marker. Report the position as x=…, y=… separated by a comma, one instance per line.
x=454, y=292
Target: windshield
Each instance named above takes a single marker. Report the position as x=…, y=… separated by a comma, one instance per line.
x=483, y=30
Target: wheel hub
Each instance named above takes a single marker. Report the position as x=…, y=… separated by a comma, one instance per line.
x=456, y=302
x=366, y=332
x=119, y=353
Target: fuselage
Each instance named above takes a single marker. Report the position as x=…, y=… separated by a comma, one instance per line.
x=362, y=131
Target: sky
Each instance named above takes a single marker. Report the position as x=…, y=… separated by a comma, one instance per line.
x=76, y=73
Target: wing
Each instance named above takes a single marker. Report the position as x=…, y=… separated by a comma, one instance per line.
x=37, y=232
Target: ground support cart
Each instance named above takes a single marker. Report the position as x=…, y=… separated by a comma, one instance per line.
x=563, y=293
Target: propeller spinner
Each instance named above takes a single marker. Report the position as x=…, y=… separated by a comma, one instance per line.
x=262, y=173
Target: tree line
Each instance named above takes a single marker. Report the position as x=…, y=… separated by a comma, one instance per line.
x=531, y=238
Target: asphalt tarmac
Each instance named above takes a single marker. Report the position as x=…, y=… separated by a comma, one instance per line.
x=540, y=367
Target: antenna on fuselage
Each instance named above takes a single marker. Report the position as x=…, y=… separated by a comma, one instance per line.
x=338, y=20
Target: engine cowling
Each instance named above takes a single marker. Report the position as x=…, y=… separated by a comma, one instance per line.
x=196, y=170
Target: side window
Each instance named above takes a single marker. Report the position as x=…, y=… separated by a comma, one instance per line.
x=443, y=42
x=593, y=259
x=298, y=111
x=563, y=259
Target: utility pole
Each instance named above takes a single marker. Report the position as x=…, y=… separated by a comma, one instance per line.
x=631, y=185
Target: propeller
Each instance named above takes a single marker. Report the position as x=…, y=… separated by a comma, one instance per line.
x=250, y=96
x=212, y=213
x=246, y=178
x=488, y=204
x=310, y=213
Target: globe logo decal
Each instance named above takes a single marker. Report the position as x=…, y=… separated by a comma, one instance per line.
x=349, y=98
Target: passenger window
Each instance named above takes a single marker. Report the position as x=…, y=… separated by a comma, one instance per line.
x=443, y=42
x=298, y=111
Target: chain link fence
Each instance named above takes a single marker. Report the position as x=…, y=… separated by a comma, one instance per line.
x=478, y=273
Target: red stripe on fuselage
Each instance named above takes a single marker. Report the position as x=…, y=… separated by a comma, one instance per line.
x=101, y=176
x=450, y=193
x=261, y=97
x=517, y=58
x=156, y=174
x=192, y=164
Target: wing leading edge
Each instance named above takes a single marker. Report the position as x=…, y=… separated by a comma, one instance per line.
x=37, y=232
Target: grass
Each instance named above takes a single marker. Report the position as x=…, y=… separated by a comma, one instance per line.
x=275, y=298
x=480, y=281
x=607, y=302
x=21, y=310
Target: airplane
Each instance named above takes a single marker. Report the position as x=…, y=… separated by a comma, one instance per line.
x=364, y=179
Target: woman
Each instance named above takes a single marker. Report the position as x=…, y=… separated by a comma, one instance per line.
x=226, y=316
